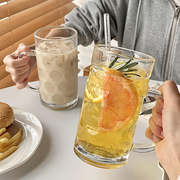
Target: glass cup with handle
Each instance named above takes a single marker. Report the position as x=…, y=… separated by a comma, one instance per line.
x=57, y=65
x=114, y=94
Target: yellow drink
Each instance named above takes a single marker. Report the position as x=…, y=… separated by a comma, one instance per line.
x=108, y=144
x=114, y=94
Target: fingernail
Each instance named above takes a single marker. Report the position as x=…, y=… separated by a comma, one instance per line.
x=162, y=133
x=156, y=138
x=19, y=82
x=25, y=57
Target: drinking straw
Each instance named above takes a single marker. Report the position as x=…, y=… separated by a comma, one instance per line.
x=107, y=34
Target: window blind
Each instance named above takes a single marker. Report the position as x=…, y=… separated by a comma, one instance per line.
x=18, y=21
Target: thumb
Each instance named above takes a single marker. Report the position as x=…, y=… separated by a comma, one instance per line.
x=22, y=47
x=170, y=94
x=171, y=110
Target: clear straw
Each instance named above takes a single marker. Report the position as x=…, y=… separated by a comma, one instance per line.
x=107, y=32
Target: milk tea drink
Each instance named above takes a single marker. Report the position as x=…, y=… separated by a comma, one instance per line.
x=57, y=65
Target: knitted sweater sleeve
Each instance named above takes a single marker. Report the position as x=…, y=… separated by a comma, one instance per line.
x=88, y=20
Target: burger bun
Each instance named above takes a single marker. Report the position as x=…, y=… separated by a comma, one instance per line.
x=6, y=115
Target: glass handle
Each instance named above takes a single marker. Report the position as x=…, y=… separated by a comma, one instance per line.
x=147, y=110
x=143, y=148
x=155, y=92
x=29, y=53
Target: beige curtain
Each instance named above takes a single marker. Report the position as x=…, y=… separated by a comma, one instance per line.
x=18, y=21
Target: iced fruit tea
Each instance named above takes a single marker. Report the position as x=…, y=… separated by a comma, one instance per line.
x=109, y=115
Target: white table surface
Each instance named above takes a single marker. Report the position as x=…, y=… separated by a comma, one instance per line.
x=55, y=158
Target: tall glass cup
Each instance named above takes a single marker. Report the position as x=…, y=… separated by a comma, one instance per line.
x=114, y=94
x=57, y=66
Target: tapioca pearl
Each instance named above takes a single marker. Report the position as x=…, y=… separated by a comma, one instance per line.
x=49, y=87
x=46, y=62
x=55, y=75
x=58, y=98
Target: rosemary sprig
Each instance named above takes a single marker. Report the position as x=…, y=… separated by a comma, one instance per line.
x=113, y=62
x=125, y=67
x=131, y=74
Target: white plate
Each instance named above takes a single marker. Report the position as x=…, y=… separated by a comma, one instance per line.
x=32, y=135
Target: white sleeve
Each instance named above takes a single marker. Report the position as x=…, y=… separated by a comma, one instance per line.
x=178, y=178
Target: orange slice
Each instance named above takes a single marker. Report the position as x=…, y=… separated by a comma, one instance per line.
x=120, y=101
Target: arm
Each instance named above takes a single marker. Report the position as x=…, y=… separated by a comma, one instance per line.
x=88, y=20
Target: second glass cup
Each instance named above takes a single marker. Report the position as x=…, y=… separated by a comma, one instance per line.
x=114, y=94
x=57, y=64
